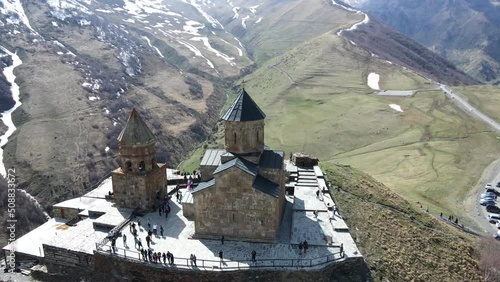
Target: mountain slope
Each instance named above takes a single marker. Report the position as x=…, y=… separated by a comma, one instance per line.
x=466, y=32
x=399, y=242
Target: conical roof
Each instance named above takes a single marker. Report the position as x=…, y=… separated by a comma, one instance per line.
x=244, y=108
x=136, y=132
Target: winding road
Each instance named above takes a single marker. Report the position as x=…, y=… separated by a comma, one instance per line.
x=469, y=108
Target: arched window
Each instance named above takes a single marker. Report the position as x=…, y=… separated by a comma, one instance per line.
x=142, y=166
x=234, y=138
x=128, y=166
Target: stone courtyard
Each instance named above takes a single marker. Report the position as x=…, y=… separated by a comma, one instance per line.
x=299, y=223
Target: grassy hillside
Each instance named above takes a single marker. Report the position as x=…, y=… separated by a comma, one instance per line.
x=399, y=242
x=317, y=100
x=465, y=32
x=484, y=97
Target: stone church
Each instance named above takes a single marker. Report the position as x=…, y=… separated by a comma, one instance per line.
x=242, y=195
x=140, y=180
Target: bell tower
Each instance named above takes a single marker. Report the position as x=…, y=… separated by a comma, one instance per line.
x=139, y=180
x=244, y=127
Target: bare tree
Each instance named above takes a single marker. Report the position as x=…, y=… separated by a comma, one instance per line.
x=489, y=259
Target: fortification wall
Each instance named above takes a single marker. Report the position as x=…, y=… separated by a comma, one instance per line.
x=119, y=269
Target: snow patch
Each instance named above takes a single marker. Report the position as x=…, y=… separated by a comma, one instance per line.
x=253, y=9
x=258, y=21
x=104, y=11
x=209, y=47
x=154, y=47
x=192, y=27
x=197, y=52
x=396, y=107
x=14, y=11
x=6, y=118
x=236, y=14
x=209, y=18
x=243, y=22
x=240, y=52
x=373, y=80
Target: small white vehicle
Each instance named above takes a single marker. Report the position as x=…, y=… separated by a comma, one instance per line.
x=493, y=218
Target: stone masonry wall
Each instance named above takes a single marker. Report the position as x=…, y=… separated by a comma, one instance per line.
x=235, y=209
x=244, y=137
x=65, y=212
x=57, y=259
x=138, y=190
x=119, y=269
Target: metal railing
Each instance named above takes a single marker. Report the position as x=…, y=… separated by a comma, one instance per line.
x=225, y=264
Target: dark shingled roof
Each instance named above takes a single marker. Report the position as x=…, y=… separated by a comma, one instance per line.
x=246, y=166
x=266, y=186
x=271, y=159
x=244, y=108
x=204, y=185
x=136, y=132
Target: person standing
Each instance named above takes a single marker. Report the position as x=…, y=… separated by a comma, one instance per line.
x=254, y=254
x=220, y=255
x=194, y=260
x=222, y=240
x=306, y=246
x=161, y=230
x=124, y=240
x=300, y=248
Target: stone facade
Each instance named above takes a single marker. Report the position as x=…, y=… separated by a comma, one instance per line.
x=243, y=137
x=235, y=209
x=139, y=180
x=57, y=258
x=139, y=190
x=243, y=197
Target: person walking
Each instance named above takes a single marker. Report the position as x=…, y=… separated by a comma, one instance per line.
x=306, y=246
x=300, y=248
x=191, y=259
x=124, y=240
x=254, y=254
x=222, y=240
x=161, y=231
x=220, y=256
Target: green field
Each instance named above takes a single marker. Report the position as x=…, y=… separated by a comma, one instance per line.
x=314, y=92
x=319, y=103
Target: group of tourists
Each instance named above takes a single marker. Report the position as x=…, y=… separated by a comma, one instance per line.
x=156, y=257
x=303, y=245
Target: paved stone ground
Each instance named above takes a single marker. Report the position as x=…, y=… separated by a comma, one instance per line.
x=297, y=225
x=396, y=93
